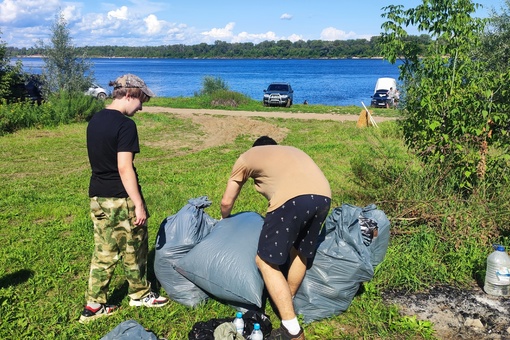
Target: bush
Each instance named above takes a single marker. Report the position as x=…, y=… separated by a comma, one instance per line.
x=224, y=98
x=211, y=85
x=215, y=93
x=60, y=108
x=18, y=115
x=72, y=107
x=436, y=230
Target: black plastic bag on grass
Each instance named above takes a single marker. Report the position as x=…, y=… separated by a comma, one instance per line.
x=204, y=330
x=252, y=317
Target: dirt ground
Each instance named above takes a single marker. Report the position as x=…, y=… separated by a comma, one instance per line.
x=456, y=314
x=235, y=123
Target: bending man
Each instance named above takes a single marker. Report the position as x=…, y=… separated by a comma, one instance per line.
x=299, y=198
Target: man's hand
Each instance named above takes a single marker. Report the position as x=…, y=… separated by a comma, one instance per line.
x=140, y=215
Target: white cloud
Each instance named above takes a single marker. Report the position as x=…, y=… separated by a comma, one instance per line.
x=286, y=16
x=153, y=24
x=71, y=13
x=227, y=34
x=332, y=33
x=254, y=37
x=221, y=33
x=8, y=11
x=295, y=37
x=19, y=13
x=121, y=13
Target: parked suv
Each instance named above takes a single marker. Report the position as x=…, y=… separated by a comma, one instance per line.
x=278, y=94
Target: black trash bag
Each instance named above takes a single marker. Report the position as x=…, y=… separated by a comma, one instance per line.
x=177, y=235
x=252, y=317
x=204, y=330
x=130, y=330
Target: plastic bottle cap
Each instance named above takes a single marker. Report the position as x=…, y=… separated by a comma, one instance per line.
x=256, y=326
x=239, y=315
x=500, y=248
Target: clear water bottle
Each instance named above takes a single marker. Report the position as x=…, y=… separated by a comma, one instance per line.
x=497, y=276
x=239, y=323
x=256, y=334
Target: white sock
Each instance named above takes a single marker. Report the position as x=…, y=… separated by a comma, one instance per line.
x=292, y=326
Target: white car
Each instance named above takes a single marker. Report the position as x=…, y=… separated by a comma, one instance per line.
x=96, y=91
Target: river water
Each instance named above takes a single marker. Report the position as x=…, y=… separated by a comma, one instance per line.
x=330, y=82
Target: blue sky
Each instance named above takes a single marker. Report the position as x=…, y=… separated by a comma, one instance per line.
x=168, y=22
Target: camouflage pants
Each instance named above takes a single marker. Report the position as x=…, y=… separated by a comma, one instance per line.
x=116, y=238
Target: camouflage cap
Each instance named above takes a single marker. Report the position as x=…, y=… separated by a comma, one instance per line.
x=132, y=81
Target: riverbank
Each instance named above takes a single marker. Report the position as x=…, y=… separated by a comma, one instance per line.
x=272, y=114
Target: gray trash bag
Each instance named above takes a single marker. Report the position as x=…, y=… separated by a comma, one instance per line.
x=129, y=330
x=223, y=264
x=177, y=235
x=341, y=264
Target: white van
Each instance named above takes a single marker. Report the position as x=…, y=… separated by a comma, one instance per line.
x=385, y=84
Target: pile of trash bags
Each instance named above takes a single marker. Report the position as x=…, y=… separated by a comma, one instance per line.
x=198, y=257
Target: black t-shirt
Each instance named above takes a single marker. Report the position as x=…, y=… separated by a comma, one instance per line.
x=109, y=132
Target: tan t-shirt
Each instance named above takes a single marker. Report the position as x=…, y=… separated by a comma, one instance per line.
x=280, y=173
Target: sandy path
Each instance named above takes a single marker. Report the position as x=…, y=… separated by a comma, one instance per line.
x=285, y=115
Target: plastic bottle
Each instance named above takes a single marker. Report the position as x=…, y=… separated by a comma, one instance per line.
x=256, y=334
x=239, y=323
x=497, y=276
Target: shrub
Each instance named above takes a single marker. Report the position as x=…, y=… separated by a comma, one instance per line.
x=442, y=234
x=212, y=84
x=60, y=108
x=18, y=115
x=223, y=98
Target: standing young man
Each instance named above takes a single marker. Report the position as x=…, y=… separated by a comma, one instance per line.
x=299, y=198
x=116, y=203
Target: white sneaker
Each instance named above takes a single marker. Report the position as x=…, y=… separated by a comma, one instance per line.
x=90, y=313
x=151, y=300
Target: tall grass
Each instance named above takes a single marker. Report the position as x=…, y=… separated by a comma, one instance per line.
x=59, y=108
x=47, y=234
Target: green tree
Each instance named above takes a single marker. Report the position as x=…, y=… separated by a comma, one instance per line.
x=11, y=76
x=455, y=108
x=65, y=69
x=495, y=48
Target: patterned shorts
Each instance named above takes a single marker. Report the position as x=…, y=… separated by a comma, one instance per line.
x=297, y=223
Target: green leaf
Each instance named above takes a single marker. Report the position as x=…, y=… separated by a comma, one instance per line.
x=434, y=125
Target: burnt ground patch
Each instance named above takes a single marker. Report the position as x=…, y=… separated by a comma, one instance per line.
x=457, y=313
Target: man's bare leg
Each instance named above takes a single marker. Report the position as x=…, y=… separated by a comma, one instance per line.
x=297, y=271
x=277, y=287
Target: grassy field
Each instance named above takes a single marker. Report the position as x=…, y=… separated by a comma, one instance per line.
x=47, y=234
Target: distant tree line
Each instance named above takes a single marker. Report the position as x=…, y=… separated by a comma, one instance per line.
x=282, y=49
